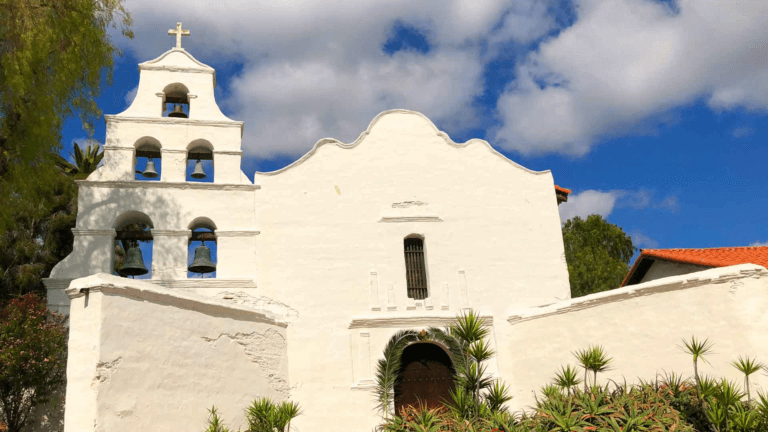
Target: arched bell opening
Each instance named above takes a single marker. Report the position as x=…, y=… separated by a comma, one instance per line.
x=426, y=376
x=133, y=246
x=176, y=101
x=200, y=161
x=202, y=249
x=148, y=161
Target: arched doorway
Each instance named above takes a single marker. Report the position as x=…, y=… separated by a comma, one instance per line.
x=426, y=376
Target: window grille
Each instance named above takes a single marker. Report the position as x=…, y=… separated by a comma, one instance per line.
x=415, y=269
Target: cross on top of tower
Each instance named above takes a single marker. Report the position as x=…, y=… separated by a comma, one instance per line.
x=178, y=32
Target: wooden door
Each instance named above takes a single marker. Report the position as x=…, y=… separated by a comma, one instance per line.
x=426, y=377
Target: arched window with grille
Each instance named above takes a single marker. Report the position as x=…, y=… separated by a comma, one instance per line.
x=415, y=268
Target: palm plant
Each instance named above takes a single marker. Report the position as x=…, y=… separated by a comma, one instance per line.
x=266, y=416
x=697, y=349
x=584, y=358
x=388, y=368
x=567, y=378
x=86, y=161
x=594, y=359
x=747, y=366
x=215, y=424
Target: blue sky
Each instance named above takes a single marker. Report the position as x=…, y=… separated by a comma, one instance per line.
x=652, y=112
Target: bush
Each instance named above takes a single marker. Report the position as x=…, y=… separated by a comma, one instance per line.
x=33, y=355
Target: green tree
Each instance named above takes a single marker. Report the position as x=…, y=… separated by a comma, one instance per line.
x=53, y=57
x=33, y=355
x=597, y=253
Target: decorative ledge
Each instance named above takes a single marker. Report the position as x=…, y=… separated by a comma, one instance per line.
x=399, y=219
x=114, y=285
x=720, y=275
x=133, y=184
x=435, y=320
x=173, y=121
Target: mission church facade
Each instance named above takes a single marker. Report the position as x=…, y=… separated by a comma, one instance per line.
x=317, y=265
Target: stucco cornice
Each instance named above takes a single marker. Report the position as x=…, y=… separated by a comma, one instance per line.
x=140, y=290
x=93, y=232
x=437, y=320
x=669, y=284
x=396, y=219
x=174, y=121
x=133, y=184
x=438, y=132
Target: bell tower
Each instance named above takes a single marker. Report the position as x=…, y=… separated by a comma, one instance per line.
x=171, y=180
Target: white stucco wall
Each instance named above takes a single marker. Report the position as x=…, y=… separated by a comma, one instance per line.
x=661, y=269
x=143, y=357
x=641, y=328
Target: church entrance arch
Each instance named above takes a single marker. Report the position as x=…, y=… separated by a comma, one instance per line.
x=426, y=376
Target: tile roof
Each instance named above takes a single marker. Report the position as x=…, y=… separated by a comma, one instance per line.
x=710, y=257
x=562, y=189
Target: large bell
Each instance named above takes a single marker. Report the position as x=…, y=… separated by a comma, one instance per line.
x=198, y=173
x=134, y=263
x=150, y=172
x=178, y=111
x=202, y=262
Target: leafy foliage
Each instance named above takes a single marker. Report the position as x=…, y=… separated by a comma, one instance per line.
x=86, y=161
x=52, y=58
x=33, y=355
x=597, y=253
x=263, y=415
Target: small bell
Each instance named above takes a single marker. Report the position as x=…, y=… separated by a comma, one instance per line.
x=178, y=112
x=134, y=263
x=202, y=262
x=150, y=172
x=198, y=173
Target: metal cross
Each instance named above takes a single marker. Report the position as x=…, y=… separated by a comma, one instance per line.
x=179, y=32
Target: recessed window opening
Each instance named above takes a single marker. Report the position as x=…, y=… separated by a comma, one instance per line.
x=148, y=162
x=202, y=252
x=133, y=247
x=200, y=163
x=176, y=101
x=415, y=268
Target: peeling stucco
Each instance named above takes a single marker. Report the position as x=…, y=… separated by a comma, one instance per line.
x=266, y=350
x=104, y=371
x=264, y=304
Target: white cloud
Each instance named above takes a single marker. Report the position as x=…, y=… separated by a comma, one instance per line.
x=742, y=131
x=626, y=62
x=130, y=96
x=316, y=69
x=765, y=243
x=604, y=202
x=587, y=203
x=640, y=239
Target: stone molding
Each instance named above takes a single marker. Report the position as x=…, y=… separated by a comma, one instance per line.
x=116, y=118
x=56, y=284
x=134, y=184
x=204, y=283
x=94, y=232
x=675, y=283
x=398, y=219
x=364, y=134
x=165, y=150
x=410, y=321
x=174, y=69
x=113, y=285
x=236, y=233
x=228, y=152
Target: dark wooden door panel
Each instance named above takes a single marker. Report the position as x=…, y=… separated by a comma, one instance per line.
x=426, y=377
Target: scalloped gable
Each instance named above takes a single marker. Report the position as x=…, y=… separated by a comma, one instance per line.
x=177, y=59
x=401, y=122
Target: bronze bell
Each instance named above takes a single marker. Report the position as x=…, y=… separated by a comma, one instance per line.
x=202, y=262
x=178, y=112
x=134, y=263
x=150, y=172
x=198, y=173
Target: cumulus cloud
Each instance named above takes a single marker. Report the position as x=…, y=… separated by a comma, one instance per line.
x=130, y=96
x=765, y=243
x=604, y=202
x=315, y=69
x=625, y=62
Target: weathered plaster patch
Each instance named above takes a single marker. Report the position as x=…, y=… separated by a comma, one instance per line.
x=266, y=350
x=406, y=204
x=104, y=371
x=264, y=304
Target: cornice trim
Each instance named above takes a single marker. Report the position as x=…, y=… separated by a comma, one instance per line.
x=133, y=184
x=410, y=321
x=397, y=219
x=93, y=232
x=173, y=121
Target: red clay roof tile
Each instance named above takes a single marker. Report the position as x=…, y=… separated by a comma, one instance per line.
x=712, y=257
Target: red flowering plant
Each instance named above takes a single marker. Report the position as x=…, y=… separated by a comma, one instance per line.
x=33, y=355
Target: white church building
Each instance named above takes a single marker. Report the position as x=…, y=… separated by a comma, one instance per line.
x=318, y=264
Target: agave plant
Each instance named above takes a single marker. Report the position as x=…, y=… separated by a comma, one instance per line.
x=264, y=415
